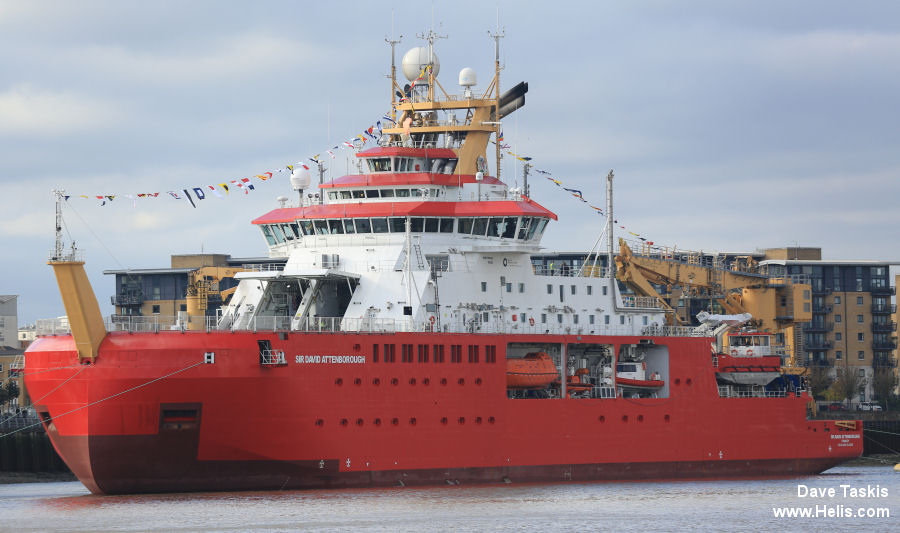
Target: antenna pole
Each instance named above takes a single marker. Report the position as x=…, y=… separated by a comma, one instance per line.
x=499, y=34
x=525, y=169
x=393, y=42
x=610, y=265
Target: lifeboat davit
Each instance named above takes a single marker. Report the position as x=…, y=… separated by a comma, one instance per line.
x=534, y=371
x=640, y=383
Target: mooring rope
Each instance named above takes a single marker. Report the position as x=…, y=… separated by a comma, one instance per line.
x=102, y=399
x=33, y=402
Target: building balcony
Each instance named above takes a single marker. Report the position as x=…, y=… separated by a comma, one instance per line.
x=884, y=345
x=820, y=290
x=820, y=362
x=884, y=290
x=884, y=362
x=817, y=346
x=885, y=328
x=126, y=300
x=821, y=309
x=884, y=308
x=816, y=328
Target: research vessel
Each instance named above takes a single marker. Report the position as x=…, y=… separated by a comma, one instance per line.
x=414, y=336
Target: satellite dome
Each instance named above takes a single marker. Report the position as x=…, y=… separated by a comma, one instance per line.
x=300, y=178
x=415, y=59
x=467, y=77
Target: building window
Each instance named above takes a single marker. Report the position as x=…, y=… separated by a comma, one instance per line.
x=645, y=320
x=859, y=319
x=575, y=319
x=862, y=372
x=549, y=289
x=861, y=355
x=837, y=300
x=521, y=287
x=543, y=318
x=374, y=353
x=606, y=319
x=559, y=319
x=860, y=337
x=590, y=290
x=573, y=289
x=837, y=318
x=838, y=355
x=621, y=319
x=182, y=307
x=838, y=336
x=859, y=300
x=591, y=319
x=604, y=290
x=509, y=287
x=483, y=286
x=805, y=307
x=155, y=309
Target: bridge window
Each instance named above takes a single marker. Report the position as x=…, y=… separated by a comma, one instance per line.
x=267, y=233
x=415, y=224
x=307, y=227
x=296, y=229
x=348, y=226
x=380, y=164
x=523, y=227
x=387, y=193
x=416, y=192
x=446, y=225
x=431, y=225
x=379, y=225
x=509, y=229
x=495, y=227
x=465, y=226
x=345, y=195
x=321, y=227
x=279, y=236
x=359, y=194
x=479, y=226
x=335, y=227
x=288, y=234
x=402, y=193
x=363, y=225
x=372, y=193
x=397, y=224
x=333, y=195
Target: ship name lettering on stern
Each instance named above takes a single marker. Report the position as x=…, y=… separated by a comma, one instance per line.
x=329, y=359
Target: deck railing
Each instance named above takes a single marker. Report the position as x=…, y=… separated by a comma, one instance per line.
x=160, y=323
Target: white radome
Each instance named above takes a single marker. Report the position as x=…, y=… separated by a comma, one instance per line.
x=467, y=77
x=300, y=179
x=415, y=59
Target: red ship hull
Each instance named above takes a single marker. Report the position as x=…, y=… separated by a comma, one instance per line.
x=149, y=416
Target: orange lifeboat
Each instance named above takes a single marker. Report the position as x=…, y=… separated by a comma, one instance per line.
x=534, y=371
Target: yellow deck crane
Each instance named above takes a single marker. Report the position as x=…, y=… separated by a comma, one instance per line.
x=777, y=304
x=204, y=290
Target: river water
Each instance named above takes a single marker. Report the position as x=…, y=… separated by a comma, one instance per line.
x=719, y=505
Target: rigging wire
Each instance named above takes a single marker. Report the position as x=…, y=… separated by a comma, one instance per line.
x=50, y=419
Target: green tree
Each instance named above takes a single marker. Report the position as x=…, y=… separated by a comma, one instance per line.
x=883, y=382
x=848, y=382
x=12, y=389
x=818, y=381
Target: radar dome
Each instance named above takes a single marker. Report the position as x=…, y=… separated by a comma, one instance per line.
x=300, y=179
x=415, y=59
x=467, y=77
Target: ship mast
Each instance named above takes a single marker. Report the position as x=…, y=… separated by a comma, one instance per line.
x=499, y=34
x=393, y=42
x=610, y=265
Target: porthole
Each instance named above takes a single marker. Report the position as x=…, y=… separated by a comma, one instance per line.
x=395, y=381
x=412, y=381
x=344, y=422
x=339, y=382
x=444, y=420
x=376, y=381
x=357, y=382
x=412, y=421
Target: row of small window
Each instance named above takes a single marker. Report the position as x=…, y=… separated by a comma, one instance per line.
x=425, y=353
x=502, y=227
x=859, y=318
x=344, y=422
x=861, y=337
x=508, y=287
x=411, y=164
x=383, y=193
x=859, y=355
x=859, y=300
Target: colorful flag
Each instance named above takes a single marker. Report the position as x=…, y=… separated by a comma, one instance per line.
x=186, y=193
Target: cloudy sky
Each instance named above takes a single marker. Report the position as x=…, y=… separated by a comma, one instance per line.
x=730, y=126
